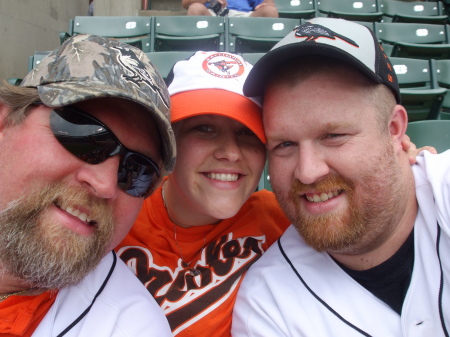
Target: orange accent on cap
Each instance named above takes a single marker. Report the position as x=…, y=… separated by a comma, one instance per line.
x=218, y=102
x=390, y=78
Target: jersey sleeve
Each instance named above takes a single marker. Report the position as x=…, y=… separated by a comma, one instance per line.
x=255, y=312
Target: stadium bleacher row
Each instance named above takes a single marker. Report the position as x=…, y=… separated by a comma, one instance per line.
x=367, y=10
x=420, y=52
x=416, y=36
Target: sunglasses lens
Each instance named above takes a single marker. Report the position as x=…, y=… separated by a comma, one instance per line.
x=138, y=176
x=82, y=136
x=91, y=141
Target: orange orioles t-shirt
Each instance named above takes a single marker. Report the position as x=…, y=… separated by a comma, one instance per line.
x=200, y=305
x=20, y=315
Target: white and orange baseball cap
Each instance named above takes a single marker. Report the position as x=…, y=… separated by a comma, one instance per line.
x=211, y=83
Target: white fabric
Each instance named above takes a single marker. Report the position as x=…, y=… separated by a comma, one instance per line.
x=124, y=308
x=234, y=13
x=211, y=70
x=272, y=301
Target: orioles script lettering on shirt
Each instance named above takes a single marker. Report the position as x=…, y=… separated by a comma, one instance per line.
x=183, y=296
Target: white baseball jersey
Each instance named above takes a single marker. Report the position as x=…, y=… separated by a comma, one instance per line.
x=114, y=302
x=312, y=296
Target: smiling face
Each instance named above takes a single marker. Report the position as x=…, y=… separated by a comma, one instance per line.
x=60, y=215
x=218, y=167
x=335, y=171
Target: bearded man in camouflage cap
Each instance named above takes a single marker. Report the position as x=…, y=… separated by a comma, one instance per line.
x=83, y=140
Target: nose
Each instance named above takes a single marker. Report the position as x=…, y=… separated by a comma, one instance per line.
x=228, y=148
x=311, y=165
x=101, y=178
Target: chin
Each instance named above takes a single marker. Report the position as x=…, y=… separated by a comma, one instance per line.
x=222, y=215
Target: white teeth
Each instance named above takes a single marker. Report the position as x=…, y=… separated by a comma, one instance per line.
x=223, y=176
x=78, y=214
x=83, y=217
x=322, y=197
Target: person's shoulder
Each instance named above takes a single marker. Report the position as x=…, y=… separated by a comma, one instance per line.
x=290, y=244
x=264, y=205
x=432, y=167
x=111, y=275
x=132, y=311
x=133, y=303
x=263, y=197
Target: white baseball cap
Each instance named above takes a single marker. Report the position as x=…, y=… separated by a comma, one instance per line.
x=211, y=83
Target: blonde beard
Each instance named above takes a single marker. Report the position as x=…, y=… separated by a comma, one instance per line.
x=46, y=254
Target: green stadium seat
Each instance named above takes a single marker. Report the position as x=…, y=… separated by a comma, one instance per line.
x=420, y=94
x=256, y=35
x=415, y=12
x=165, y=60
x=33, y=61
x=414, y=40
x=445, y=114
x=434, y=132
x=252, y=58
x=264, y=181
x=368, y=24
x=189, y=33
x=134, y=30
x=14, y=80
x=36, y=58
x=442, y=71
x=354, y=10
x=296, y=9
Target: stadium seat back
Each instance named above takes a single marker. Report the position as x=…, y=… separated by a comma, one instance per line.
x=248, y=34
x=419, y=91
x=134, y=30
x=434, y=132
x=296, y=9
x=414, y=40
x=432, y=12
x=189, y=33
x=355, y=10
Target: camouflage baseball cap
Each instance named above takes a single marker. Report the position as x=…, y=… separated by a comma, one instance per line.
x=88, y=66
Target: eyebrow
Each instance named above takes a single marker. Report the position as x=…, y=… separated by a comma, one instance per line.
x=330, y=126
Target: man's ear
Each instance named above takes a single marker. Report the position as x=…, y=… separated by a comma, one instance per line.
x=398, y=125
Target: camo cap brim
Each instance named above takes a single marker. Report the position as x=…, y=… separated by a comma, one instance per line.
x=343, y=40
x=88, y=66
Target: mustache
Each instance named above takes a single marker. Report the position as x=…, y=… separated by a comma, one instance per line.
x=330, y=183
x=62, y=196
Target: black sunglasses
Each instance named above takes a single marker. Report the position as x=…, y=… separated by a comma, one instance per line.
x=93, y=142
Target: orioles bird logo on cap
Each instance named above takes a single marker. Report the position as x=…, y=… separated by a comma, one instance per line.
x=312, y=32
x=223, y=65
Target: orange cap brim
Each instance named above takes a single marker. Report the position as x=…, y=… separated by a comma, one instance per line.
x=218, y=102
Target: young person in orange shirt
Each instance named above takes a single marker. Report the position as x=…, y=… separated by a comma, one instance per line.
x=201, y=230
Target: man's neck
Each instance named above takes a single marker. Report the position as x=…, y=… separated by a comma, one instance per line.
x=10, y=284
